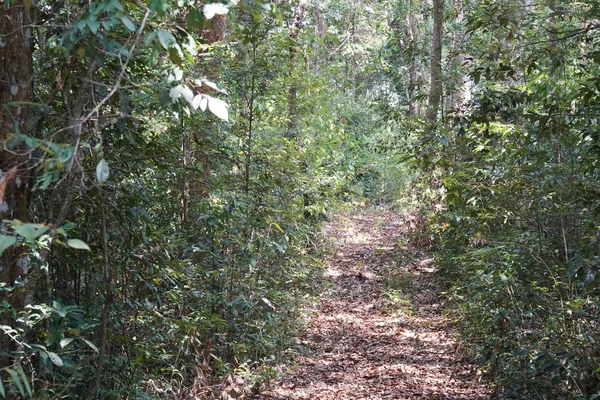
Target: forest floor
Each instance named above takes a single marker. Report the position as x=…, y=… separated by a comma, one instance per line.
x=379, y=332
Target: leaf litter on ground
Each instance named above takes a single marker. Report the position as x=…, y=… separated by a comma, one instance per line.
x=379, y=332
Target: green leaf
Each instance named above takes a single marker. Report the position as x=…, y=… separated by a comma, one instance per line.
x=203, y=103
x=102, y=171
x=268, y=302
x=176, y=75
x=16, y=381
x=55, y=359
x=176, y=55
x=128, y=23
x=194, y=20
x=2, y=391
x=175, y=92
x=6, y=242
x=93, y=25
x=92, y=345
x=196, y=101
x=65, y=342
x=30, y=231
x=25, y=382
x=117, y=4
x=188, y=94
x=69, y=226
x=65, y=155
x=166, y=39
x=210, y=10
x=218, y=107
x=212, y=85
x=149, y=38
x=78, y=244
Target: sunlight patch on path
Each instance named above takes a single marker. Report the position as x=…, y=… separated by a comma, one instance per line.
x=364, y=346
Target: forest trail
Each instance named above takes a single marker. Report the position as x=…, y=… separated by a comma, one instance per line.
x=379, y=332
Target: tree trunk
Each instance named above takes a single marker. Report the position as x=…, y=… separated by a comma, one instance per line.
x=295, y=27
x=412, y=34
x=463, y=83
x=16, y=87
x=435, y=91
x=320, y=33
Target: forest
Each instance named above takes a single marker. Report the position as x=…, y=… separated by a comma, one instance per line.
x=179, y=179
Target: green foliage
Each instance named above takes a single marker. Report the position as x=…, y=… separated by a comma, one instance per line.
x=516, y=229
x=60, y=327
x=171, y=161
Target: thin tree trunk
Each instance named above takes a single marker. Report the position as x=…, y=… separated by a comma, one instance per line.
x=108, y=300
x=185, y=185
x=320, y=32
x=462, y=94
x=250, y=131
x=435, y=92
x=413, y=40
x=295, y=28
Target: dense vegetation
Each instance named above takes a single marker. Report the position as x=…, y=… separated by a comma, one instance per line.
x=167, y=165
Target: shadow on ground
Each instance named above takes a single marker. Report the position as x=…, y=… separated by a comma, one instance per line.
x=379, y=332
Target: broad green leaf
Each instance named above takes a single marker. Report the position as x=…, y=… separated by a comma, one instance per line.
x=176, y=75
x=176, y=55
x=65, y=155
x=166, y=39
x=68, y=226
x=194, y=19
x=218, y=107
x=92, y=345
x=102, y=171
x=117, y=4
x=175, y=92
x=210, y=10
x=6, y=242
x=78, y=244
x=211, y=85
x=149, y=38
x=93, y=25
x=30, y=231
x=2, y=391
x=65, y=342
x=191, y=47
x=196, y=101
x=55, y=359
x=204, y=103
x=128, y=23
x=188, y=94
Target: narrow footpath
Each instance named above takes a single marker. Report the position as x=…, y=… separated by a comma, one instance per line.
x=379, y=332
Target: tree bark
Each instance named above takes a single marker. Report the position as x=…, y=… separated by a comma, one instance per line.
x=412, y=34
x=295, y=28
x=435, y=91
x=16, y=87
x=463, y=84
x=320, y=33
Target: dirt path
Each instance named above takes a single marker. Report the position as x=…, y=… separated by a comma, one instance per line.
x=379, y=332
